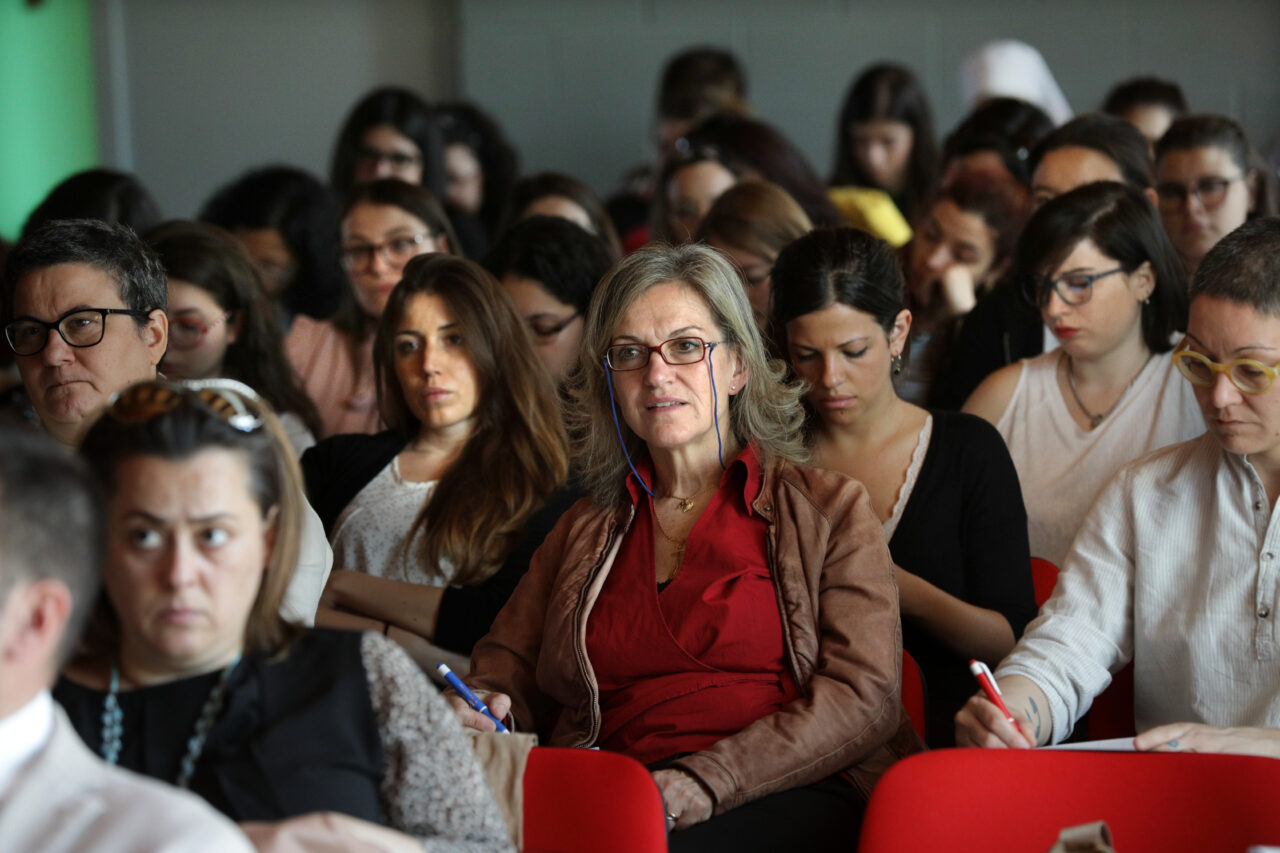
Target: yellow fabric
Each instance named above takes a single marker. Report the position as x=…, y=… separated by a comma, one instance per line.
x=873, y=211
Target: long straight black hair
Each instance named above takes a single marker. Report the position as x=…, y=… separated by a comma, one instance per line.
x=889, y=91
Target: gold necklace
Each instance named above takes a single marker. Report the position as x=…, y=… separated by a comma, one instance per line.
x=679, y=543
x=687, y=504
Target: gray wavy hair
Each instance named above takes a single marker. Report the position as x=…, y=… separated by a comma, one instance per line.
x=766, y=412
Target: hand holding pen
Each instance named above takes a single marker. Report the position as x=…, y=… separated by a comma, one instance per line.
x=985, y=720
x=472, y=701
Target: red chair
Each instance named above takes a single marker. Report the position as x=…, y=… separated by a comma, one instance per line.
x=979, y=800
x=1111, y=714
x=913, y=693
x=583, y=801
x=1044, y=577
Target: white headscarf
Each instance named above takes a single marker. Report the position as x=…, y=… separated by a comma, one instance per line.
x=1012, y=69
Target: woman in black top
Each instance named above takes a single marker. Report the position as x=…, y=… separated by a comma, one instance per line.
x=942, y=484
x=433, y=522
x=188, y=673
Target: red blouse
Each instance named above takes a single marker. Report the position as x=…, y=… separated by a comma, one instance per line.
x=704, y=658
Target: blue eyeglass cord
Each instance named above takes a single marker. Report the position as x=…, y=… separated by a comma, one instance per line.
x=613, y=407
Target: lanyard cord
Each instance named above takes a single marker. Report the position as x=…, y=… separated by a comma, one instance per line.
x=613, y=408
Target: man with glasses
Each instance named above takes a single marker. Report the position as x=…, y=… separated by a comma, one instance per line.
x=1177, y=566
x=56, y=796
x=85, y=315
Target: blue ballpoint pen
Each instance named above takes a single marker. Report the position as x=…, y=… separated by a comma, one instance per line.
x=467, y=696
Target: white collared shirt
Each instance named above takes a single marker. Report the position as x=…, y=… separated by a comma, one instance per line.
x=23, y=734
x=1176, y=566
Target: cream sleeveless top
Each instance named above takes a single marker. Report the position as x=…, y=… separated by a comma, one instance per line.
x=1062, y=467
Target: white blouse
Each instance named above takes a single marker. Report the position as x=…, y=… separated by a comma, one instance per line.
x=370, y=535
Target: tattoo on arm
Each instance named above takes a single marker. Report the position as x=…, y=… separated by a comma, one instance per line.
x=1034, y=716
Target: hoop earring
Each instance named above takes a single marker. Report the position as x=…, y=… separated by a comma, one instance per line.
x=895, y=363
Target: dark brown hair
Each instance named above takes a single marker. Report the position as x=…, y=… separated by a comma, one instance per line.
x=517, y=455
x=414, y=200
x=218, y=264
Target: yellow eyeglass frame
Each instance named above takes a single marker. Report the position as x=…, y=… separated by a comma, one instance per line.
x=1182, y=356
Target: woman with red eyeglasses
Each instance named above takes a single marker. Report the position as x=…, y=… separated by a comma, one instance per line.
x=221, y=323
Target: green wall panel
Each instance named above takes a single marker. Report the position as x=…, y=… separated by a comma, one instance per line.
x=48, y=121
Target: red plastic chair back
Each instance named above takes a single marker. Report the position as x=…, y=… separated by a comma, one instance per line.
x=979, y=800
x=583, y=801
x=1111, y=714
x=1044, y=577
x=913, y=693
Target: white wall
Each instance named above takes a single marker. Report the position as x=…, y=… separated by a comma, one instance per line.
x=194, y=93
x=573, y=80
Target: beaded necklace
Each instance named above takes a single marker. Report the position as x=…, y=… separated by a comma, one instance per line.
x=113, y=723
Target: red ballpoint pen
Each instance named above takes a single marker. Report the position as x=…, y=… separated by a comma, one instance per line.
x=989, y=686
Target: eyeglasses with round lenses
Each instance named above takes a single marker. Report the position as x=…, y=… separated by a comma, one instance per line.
x=1251, y=377
x=83, y=327
x=187, y=332
x=397, y=251
x=675, y=352
x=1210, y=192
x=1073, y=288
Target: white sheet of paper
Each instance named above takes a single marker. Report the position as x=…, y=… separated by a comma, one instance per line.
x=1115, y=744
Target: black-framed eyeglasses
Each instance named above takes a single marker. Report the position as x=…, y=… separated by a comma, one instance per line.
x=397, y=251
x=395, y=159
x=547, y=330
x=82, y=327
x=675, y=351
x=232, y=402
x=1073, y=288
x=1211, y=191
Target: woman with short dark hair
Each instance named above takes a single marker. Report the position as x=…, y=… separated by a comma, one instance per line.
x=1209, y=183
x=1109, y=286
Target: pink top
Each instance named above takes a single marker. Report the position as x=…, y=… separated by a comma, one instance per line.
x=339, y=381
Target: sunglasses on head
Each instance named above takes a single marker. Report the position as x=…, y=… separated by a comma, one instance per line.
x=234, y=403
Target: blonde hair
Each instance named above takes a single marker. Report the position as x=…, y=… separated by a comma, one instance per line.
x=765, y=413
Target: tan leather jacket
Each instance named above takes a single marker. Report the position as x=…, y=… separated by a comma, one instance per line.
x=835, y=586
